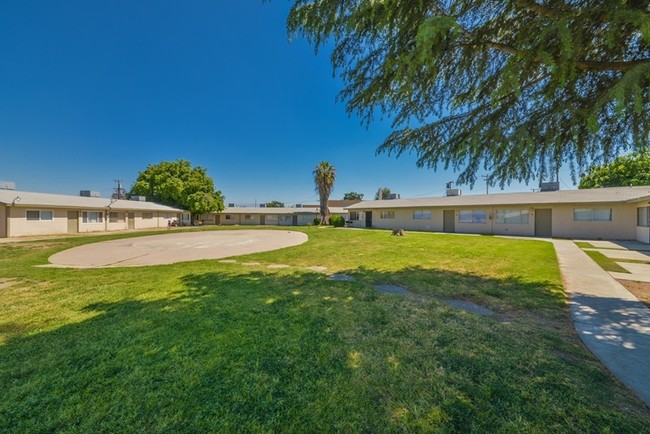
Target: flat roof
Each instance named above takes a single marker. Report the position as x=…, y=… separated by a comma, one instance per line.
x=28, y=199
x=586, y=196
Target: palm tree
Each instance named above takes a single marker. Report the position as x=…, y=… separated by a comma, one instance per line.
x=324, y=176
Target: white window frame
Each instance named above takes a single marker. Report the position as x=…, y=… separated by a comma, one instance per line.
x=147, y=216
x=592, y=214
x=354, y=215
x=472, y=216
x=512, y=216
x=388, y=214
x=422, y=214
x=42, y=215
x=643, y=216
x=97, y=217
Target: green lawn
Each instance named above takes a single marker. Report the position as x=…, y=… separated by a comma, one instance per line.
x=214, y=347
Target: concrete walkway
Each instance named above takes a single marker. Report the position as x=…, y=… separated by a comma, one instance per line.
x=611, y=321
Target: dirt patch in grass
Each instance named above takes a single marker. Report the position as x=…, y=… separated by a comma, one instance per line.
x=641, y=290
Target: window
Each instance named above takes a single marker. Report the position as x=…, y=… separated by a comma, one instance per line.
x=167, y=215
x=115, y=217
x=354, y=215
x=421, y=215
x=39, y=215
x=92, y=216
x=472, y=216
x=147, y=215
x=387, y=214
x=592, y=214
x=248, y=217
x=643, y=216
x=228, y=217
x=512, y=216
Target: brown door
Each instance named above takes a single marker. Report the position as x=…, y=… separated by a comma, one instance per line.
x=131, y=218
x=3, y=221
x=73, y=222
x=543, y=223
x=449, y=221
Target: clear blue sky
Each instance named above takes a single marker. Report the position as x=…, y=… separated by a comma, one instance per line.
x=95, y=91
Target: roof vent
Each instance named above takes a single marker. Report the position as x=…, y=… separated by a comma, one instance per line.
x=139, y=198
x=549, y=186
x=89, y=193
x=7, y=185
x=454, y=192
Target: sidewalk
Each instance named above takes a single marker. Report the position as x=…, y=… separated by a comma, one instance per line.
x=613, y=324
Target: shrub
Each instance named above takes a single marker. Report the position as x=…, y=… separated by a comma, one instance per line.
x=316, y=221
x=337, y=221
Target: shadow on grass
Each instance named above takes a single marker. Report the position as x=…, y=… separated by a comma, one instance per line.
x=297, y=352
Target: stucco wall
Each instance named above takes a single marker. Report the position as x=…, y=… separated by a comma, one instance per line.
x=19, y=226
x=253, y=219
x=643, y=234
x=621, y=227
x=155, y=222
x=233, y=220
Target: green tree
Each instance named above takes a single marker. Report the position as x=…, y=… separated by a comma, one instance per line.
x=353, y=195
x=177, y=184
x=274, y=204
x=516, y=88
x=382, y=193
x=627, y=170
x=324, y=177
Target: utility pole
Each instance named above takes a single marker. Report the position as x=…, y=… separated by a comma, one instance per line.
x=487, y=183
x=119, y=193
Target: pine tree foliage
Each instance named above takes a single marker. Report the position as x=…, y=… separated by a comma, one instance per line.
x=513, y=87
x=178, y=184
x=624, y=171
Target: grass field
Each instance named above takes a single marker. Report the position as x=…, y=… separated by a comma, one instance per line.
x=208, y=346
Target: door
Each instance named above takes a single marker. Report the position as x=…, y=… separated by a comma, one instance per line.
x=449, y=221
x=543, y=223
x=131, y=219
x=3, y=221
x=73, y=222
x=368, y=219
x=217, y=219
x=294, y=220
x=262, y=219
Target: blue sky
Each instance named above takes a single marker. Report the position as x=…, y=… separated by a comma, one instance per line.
x=95, y=91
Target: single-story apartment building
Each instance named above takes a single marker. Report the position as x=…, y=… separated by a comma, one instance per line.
x=26, y=213
x=297, y=216
x=620, y=213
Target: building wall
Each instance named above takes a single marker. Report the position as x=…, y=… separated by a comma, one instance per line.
x=250, y=219
x=228, y=219
x=621, y=227
x=156, y=220
x=19, y=225
x=643, y=234
x=3, y=220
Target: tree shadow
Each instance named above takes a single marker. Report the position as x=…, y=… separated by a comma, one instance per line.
x=295, y=351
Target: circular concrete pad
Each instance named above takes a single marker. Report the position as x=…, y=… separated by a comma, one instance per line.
x=176, y=247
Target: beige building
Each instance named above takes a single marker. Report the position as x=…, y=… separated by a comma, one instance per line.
x=298, y=216
x=25, y=213
x=620, y=213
